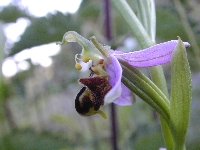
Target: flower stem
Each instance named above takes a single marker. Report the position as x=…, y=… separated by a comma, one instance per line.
x=108, y=30
x=145, y=89
x=113, y=126
x=133, y=22
x=158, y=78
x=147, y=16
x=143, y=96
x=146, y=80
x=146, y=41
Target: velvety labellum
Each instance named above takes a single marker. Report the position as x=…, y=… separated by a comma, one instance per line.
x=91, y=96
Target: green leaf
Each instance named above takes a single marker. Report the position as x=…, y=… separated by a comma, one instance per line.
x=11, y=13
x=180, y=95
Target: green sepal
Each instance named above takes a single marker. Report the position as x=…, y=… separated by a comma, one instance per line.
x=144, y=88
x=89, y=50
x=180, y=95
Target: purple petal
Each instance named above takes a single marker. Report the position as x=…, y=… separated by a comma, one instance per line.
x=119, y=94
x=156, y=55
x=125, y=98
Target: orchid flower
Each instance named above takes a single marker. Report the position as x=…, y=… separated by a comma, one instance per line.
x=104, y=85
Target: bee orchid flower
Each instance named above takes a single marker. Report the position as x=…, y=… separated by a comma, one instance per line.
x=104, y=85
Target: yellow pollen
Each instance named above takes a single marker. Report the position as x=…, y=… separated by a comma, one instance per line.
x=78, y=66
x=85, y=59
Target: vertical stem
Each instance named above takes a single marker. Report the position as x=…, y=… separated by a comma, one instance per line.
x=107, y=14
x=133, y=23
x=107, y=7
x=113, y=127
x=158, y=78
x=145, y=41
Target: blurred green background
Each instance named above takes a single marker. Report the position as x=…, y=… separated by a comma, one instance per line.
x=37, y=105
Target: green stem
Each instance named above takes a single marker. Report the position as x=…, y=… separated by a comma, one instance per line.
x=179, y=147
x=143, y=96
x=167, y=135
x=147, y=16
x=133, y=22
x=146, y=80
x=142, y=6
x=152, y=19
x=145, y=41
x=158, y=78
x=143, y=88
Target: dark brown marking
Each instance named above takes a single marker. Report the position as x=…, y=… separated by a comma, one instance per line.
x=97, y=88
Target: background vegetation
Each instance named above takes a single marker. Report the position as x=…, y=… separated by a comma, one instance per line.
x=37, y=105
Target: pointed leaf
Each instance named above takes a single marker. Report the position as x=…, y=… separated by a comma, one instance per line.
x=180, y=95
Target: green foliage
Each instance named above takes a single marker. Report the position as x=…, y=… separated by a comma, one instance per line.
x=45, y=30
x=2, y=43
x=28, y=140
x=151, y=141
x=89, y=9
x=132, y=119
x=11, y=13
x=5, y=91
x=168, y=25
x=51, y=28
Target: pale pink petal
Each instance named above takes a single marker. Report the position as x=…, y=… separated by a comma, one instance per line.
x=119, y=94
x=156, y=55
x=126, y=97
